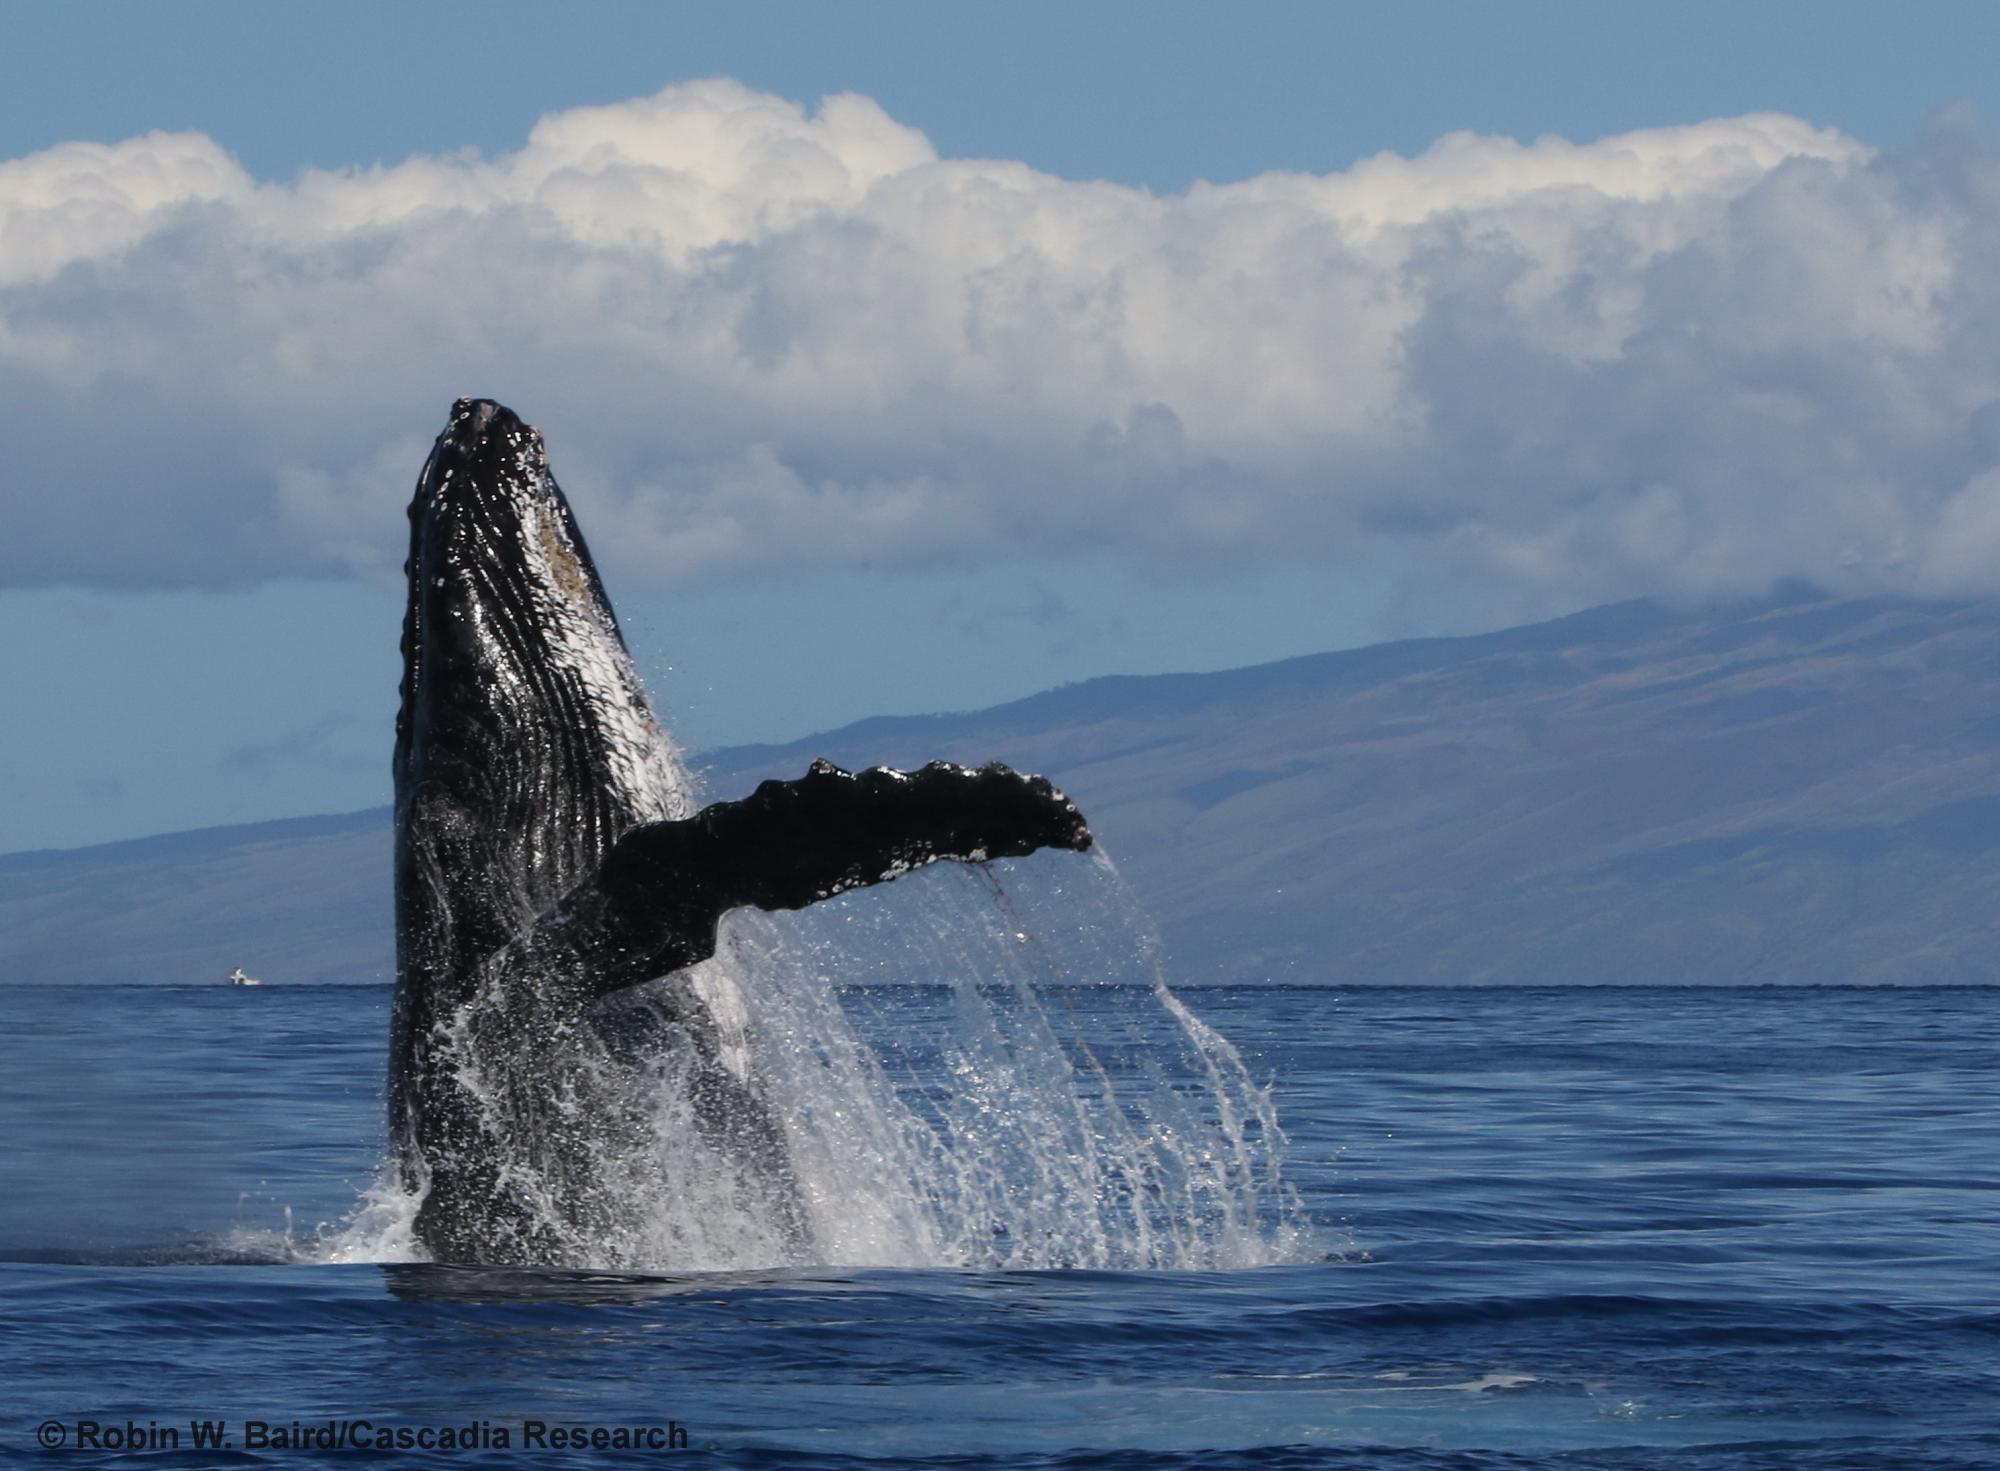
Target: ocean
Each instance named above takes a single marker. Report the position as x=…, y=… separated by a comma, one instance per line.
x=1617, y=1227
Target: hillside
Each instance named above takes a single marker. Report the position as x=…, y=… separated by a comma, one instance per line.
x=1803, y=789
x=305, y=899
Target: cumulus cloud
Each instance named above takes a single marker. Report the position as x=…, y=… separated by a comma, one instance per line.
x=1687, y=360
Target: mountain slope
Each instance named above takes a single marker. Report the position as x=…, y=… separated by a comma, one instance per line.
x=1798, y=790
x=304, y=899
x=1801, y=789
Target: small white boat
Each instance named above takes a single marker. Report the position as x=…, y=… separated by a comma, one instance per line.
x=237, y=978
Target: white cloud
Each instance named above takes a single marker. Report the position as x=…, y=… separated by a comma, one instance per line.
x=1690, y=359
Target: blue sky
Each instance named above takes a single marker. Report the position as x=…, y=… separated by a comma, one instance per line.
x=1078, y=340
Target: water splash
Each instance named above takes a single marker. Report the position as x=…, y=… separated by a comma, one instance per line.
x=974, y=1067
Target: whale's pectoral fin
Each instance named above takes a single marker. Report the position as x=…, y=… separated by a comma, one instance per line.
x=791, y=843
x=656, y=900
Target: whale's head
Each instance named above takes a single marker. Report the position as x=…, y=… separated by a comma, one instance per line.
x=525, y=740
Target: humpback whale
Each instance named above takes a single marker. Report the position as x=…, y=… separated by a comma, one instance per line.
x=549, y=857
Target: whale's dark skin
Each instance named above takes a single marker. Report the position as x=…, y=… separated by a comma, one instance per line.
x=545, y=854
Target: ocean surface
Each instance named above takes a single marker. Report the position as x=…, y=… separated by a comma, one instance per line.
x=1595, y=1227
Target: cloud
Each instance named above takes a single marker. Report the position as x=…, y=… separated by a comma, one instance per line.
x=1688, y=360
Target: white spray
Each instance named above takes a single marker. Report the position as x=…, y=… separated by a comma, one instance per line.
x=965, y=1075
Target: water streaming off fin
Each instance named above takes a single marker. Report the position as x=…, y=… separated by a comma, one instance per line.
x=976, y=1067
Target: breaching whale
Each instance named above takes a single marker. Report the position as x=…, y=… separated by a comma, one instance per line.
x=548, y=855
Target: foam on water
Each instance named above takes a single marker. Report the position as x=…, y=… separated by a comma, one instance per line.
x=981, y=1127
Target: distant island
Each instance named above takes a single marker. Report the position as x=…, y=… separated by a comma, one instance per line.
x=1799, y=789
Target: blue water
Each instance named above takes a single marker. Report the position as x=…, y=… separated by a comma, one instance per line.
x=1691, y=1228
